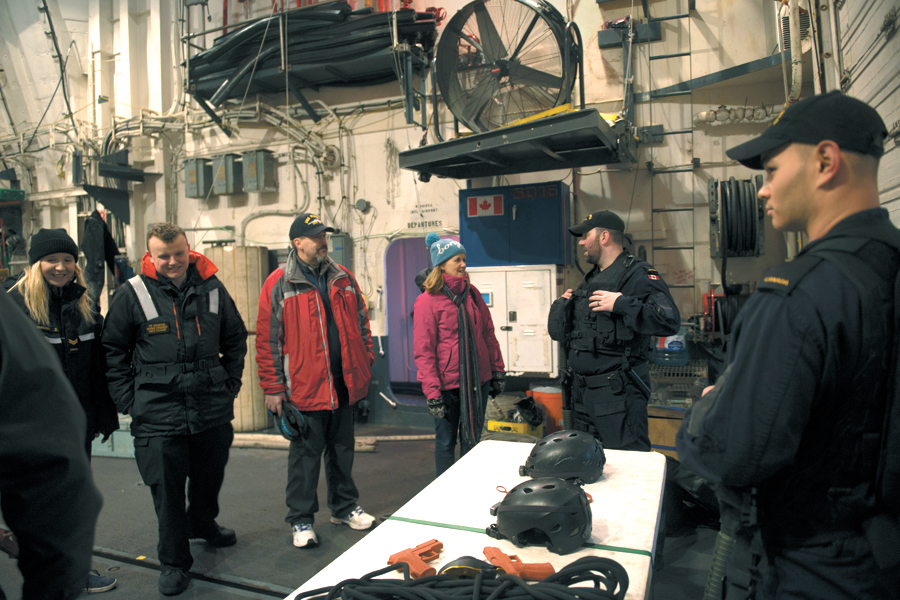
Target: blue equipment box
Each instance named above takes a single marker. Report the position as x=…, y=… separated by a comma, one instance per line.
x=516, y=225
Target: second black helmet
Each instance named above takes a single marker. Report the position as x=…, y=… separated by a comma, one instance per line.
x=566, y=454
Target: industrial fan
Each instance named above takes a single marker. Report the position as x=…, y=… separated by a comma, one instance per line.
x=499, y=61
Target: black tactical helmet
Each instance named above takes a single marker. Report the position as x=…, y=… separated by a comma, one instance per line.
x=291, y=424
x=566, y=454
x=548, y=511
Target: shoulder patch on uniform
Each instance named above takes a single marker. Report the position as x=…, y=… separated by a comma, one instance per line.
x=653, y=277
x=154, y=328
x=784, y=278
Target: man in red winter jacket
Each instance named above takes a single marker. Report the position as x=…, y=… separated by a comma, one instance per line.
x=314, y=350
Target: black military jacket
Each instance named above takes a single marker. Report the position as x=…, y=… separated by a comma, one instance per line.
x=82, y=357
x=645, y=309
x=177, y=371
x=786, y=416
x=48, y=496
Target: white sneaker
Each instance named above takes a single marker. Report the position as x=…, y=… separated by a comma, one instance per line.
x=304, y=536
x=357, y=519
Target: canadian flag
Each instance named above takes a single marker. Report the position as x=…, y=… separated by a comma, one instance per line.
x=485, y=206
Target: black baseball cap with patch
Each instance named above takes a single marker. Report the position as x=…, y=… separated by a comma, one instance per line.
x=604, y=219
x=850, y=123
x=309, y=225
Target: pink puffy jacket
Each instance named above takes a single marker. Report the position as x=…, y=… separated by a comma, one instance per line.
x=436, y=338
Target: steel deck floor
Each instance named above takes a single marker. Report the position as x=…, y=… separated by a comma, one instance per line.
x=264, y=563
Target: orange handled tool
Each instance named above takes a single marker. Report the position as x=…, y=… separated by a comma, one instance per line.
x=417, y=558
x=511, y=564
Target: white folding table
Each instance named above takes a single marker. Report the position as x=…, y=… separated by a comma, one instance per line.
x=455, y=510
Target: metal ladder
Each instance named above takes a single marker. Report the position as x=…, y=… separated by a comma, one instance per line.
x=688, y=131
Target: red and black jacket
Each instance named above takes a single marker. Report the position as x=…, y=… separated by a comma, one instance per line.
x=292, y=349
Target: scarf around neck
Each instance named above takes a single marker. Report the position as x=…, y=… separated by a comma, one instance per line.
x=471, y=404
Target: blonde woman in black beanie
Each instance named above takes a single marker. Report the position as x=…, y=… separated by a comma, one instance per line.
x=52, y=291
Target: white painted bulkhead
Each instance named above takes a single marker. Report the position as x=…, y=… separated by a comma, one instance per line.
x=129, y=51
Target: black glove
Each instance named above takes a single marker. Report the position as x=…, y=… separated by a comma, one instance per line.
x=234, y=386
x=437, y=408
x=498, y=384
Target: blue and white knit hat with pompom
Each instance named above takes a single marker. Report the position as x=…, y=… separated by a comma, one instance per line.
x=442, y=250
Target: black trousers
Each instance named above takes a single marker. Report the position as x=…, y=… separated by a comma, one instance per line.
x=331, y=434
x=166, y=463
x=841, y=569
x=615, y=416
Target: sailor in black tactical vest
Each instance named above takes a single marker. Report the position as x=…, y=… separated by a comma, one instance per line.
x=605, y=326
x=792, y=430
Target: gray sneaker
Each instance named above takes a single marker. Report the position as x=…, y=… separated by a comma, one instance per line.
x=97, y=583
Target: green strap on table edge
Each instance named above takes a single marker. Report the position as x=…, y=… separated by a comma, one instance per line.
x=476, y=530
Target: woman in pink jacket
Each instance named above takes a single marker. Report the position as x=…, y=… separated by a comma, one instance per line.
x=456, y=351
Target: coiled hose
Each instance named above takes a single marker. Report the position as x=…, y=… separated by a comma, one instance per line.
x=609, y=579
x=738, y=224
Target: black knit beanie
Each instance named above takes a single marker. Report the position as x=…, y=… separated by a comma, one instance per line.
x=50, y=241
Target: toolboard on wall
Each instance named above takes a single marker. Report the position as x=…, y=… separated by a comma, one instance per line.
x=515, y=224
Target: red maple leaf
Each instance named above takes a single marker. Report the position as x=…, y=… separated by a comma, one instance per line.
x=484, y=205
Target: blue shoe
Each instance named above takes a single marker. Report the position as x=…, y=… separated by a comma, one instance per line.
x=97, y=583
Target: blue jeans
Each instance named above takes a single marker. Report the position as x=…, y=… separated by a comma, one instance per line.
x=446, y=431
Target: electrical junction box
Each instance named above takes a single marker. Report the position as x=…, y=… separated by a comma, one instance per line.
x=197, y=177
x=7, y=195
x=229, y=177
x=77, y=167
x=520, y=302
x=516, y=225
x=259, y=171
x=340, y=248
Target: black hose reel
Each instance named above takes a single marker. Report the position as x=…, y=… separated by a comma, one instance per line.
x=736, y=221
x=736, y=217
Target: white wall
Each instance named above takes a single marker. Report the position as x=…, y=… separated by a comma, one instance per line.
x=869, y=57
x=132, y=56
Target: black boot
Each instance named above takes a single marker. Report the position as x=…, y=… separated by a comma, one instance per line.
x=220, y=538
x=172, y=582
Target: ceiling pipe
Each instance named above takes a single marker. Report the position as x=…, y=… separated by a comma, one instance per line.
x=796, y=53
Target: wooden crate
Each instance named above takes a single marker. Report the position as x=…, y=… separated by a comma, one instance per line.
x=664, y=422
x=243, y=270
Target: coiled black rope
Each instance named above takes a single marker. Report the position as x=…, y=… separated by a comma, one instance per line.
x=609, y=578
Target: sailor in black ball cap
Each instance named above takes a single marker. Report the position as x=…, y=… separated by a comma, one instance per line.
x=606, y=326
x=793, y=426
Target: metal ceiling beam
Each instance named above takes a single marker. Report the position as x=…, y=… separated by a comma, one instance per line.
x=120, y=172
x=730, y=73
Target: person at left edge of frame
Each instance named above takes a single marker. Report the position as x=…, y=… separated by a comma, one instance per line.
x=53, y=292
